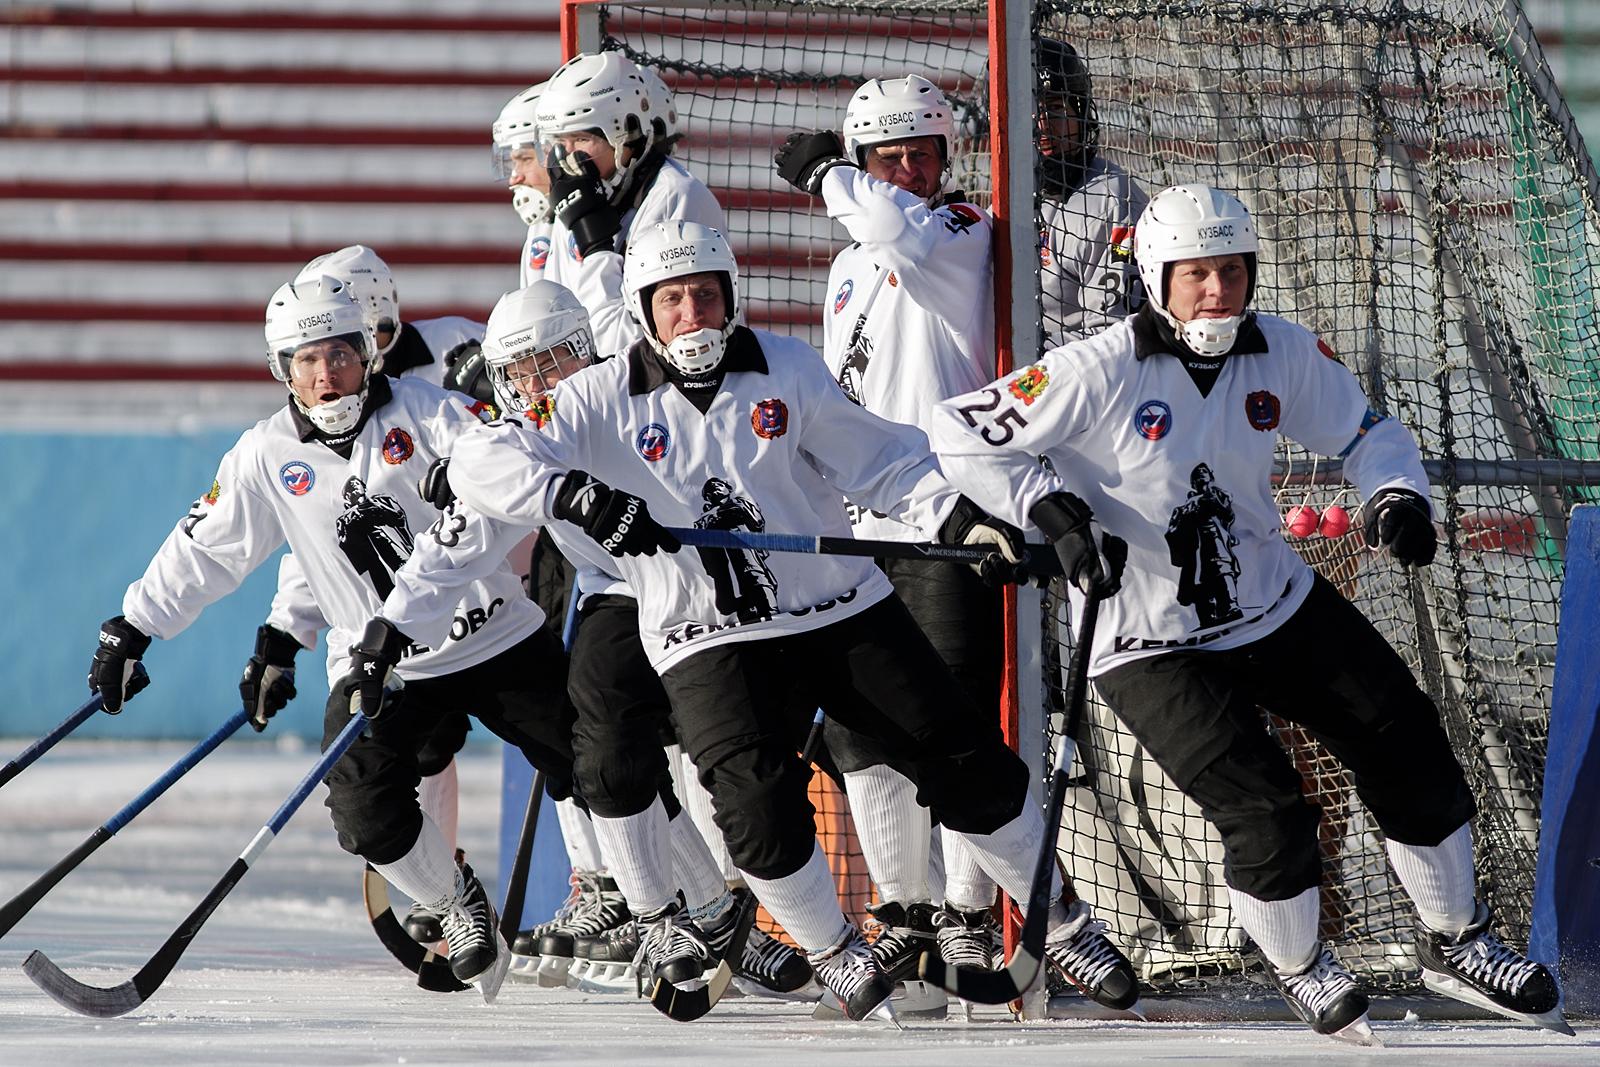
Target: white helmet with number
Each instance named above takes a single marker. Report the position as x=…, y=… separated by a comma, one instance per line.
x=1194, y=222
x=601, y=91
x=893, y=109
x=678, y=249
x=529, y=325
x=370, y=282
x=517, y=128
x=305, y=311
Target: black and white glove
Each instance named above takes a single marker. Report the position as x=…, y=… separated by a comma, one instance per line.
x=805, y=157
x=1091, y=559
x=371, y=686
x=620, y=522
x=582, y=202
x=267, y=685
x=1402, y=522
x=434, y=485
x=466, y=371
x=969, y=524
x=114, y=672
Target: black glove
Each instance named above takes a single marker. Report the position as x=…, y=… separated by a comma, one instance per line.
x=583, y=204
x=112, y=671
x=371, y=686
x=466, y=371
x=1091, y=559
x=1401, y=521
x=619, y=521
x=805, y=157
x=434, y=485
x=969, y=524
x=267, y=684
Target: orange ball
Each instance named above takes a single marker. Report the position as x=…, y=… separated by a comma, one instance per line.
x=1302, y=521
x=1335, y=522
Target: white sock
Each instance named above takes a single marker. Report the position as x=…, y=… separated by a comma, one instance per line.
x=1439, y=880
x=966, y=886
x=697, y=802
x=438, y=795
x=892, y=829
x=1008, y=855
x=693, y=866
x=577, y=832
x=1284, y=930
x=637, y=856
x=936, y=878
x=805, y=903
x=428, y=873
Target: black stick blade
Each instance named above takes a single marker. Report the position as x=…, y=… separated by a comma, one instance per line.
x=981, y=986
x=687, y=1005
x=77, y=996
x=432, y=970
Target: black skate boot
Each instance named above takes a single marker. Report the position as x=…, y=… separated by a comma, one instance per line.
x=684, y=975
x=851, y=976
x=1478, y=968
x=423, y=926
x=1079, y=951
x=1326, y=997
x=478, y=954
x=766, y=964
x=965, y=938
x=525, y=959
x=604, y=910
x=903, y=934
x=603, y=963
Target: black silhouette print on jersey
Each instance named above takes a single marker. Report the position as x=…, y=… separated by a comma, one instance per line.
x=744, y=584
x=856, y=357
x=373, y=535
x=1200, y=544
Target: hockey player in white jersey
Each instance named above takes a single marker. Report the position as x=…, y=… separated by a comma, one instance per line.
x=519, y=163
x=1162, y=430
x=607, y=135
x=1088, y=205
x=704, y=399
x=333, y=474
x=911, y=322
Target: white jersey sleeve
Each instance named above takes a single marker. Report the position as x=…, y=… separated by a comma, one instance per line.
x=294, y=606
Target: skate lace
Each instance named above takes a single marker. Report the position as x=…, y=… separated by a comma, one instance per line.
x=961, y=944
x=469, y=924
x=1486, y=959
x=889, y=941
x=672, y=936
x=763, y=955
x=846, y=968
x=1322, y=985
x=1085, y=955
x=603, y=910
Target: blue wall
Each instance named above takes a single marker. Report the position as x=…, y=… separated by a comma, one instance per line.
x=81, y=519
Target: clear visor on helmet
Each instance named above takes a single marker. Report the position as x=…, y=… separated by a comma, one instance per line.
x=519, y=380
x=302, y=363
x=523, y=153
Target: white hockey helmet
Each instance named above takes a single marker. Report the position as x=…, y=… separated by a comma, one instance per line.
x=520, y=341
x=664, y=109
x=517, y=128
x=371, y=283
x=1194, y=222
x=893, y=109
x=305, y=311
x=600, y=91
x=678, y=249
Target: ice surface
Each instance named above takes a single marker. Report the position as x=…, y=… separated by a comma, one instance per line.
x=288, y=971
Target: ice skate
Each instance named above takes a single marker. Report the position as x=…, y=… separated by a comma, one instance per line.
x=965, y=939
x=903, y=934
x=684, y=975
x=1476, y=967
x=525, y=959
x=1326, y=997
x=1079, y=951
x=604, y=963
x=478, y=954
x=766, y=966
x=855, y=986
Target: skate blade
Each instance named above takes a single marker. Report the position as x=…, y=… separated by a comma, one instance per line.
x=1445, y=985
x=606, y=978
x=885, y=1013
x=1358, y=1032
x=552, y=971
x=807, y=993
x=829, y=1009
x=524, y=967
x=489, y=981
x=917, y=999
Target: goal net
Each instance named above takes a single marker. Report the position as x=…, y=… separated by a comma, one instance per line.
x=1425, y=205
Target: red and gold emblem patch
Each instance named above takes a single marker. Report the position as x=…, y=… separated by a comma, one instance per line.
x=542, y=410
x=398, y=446
x=1028, y=385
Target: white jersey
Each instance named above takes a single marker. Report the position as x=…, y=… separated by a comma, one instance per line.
x=350, y=524
x=911, y=314
x=535, y=253
x=1088, y=276
x=596, y=279
x=774, y=450
x=424, y=347
x=1185, y=479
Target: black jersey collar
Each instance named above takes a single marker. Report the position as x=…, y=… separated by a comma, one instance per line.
x=648, y=371
x=378, y=394
x=409, y=351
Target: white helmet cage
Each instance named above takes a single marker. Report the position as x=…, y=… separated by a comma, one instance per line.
x=305, y=311
x=677, y=249
x=529, y=324
x=1194, y=222
x=517, y=128
x=370, y=282
x=894, y=109
x=601, y=91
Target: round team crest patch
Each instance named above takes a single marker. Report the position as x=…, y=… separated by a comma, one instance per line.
x=297, y=477
x=770, y=418
x=1153, y=420
x=572, y=248
x=1262, y=409
x=653, y=442
x=538, y=252
x=397, y=446
x=842, y=297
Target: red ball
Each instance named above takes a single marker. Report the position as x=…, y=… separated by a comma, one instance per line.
x=1302, y=521
x=1335, y=522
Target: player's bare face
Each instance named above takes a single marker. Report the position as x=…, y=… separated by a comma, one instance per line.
x=527, y=168
x=1209, y=288
x=1058, y=129
x=913, y=164
x=595, y=147
x=324, y=371
x=684, y=305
